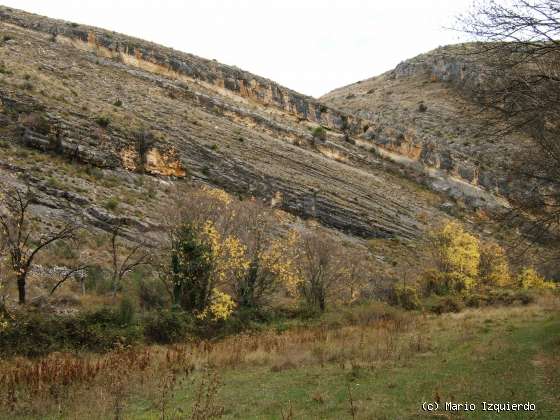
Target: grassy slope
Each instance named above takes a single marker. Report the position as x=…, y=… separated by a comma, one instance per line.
x=495, y=355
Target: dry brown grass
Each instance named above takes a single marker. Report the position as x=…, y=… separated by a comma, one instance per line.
x=65, y=383
x=101, y=386
x=57, y=382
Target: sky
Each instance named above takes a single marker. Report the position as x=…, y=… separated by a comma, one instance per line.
x=311, y=46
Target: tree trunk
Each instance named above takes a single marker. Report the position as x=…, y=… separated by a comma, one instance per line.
x=21, y=288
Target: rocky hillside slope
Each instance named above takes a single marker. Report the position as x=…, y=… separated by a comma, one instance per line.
x=124, y=106
x=424, y=110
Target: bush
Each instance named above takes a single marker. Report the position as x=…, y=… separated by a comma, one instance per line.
x=506, y=297
x=166, y=327
x=151, y=293
x=528, y=278
x=525, y=298
x=446, y=304
x=476, y=300
x=405, y=297
x=103, y=121
x=127, y=311
x=111, y=204
x=319, y=133
x=440, y=283
x=37, y=334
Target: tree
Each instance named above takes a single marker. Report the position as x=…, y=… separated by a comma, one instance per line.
x=493, y=266
x=196, y=269
x=144, y=141
x=456, y=255
x=124, y=261
x=318, y=269
x=267, y=258
x=16, y=230
x=192, y=267
x=253, y=255
x=355, y=272
x=520, y=84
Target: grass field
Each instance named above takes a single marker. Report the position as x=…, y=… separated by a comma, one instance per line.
x=355, y=366
x=495, y=355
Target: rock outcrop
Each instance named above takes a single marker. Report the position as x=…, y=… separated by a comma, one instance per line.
x=423, y=115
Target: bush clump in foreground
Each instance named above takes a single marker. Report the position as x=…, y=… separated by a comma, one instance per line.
x=36, y=334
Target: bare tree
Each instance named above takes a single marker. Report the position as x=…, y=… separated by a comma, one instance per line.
x=16, y=230
x=319, y=269
x=3, y=248
x=124, y=260
x=520, y=83
x=265, y=250
x=355, y=273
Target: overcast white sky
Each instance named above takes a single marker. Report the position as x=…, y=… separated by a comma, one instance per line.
x=311, y=46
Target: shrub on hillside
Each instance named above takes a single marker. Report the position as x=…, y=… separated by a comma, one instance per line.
x=528, y=278
x=494, y=266
x=319, y=133
x=405, y=297
x=103, y=121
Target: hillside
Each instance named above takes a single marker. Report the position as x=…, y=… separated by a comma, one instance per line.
x=424, y=109
x=93, y=91
x=212, y=123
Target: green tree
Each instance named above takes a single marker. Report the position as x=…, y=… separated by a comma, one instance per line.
x=192, y=267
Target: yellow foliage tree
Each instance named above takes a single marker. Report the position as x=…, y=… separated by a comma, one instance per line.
x=457, y=256
x=528, y=278
x=220, y=308
x=494, y=265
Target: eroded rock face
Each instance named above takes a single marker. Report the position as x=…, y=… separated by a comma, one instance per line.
x=155, y=162
x=392, y=141
x=423, y=114
x=222, y=126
